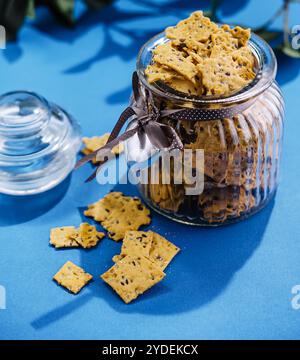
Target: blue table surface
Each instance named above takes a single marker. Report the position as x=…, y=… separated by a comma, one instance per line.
x=227, y=283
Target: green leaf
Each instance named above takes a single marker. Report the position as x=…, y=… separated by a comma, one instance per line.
x=12, y=15
x=97, y=4
x=207, y=13
x=31, y=9
x=289, y=51
x=63, y=10
x=66, y=7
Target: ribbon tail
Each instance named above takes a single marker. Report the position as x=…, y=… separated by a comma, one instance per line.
x=94, y=174
x=106, y=149
x=142, y=137
x=135, y=86
x=126, y=114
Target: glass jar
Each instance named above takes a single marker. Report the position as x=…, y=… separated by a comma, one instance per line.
x=241, y=150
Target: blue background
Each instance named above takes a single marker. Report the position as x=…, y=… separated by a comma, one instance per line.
x=230, y=282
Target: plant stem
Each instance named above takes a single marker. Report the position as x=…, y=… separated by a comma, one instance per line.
x=214, y=7
x=272, y=19
x=286, y=29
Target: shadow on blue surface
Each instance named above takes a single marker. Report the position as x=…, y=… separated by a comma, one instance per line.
x=13, y=52
x=228, y=8
x=20, y=209
x=288, y=68
x=209, y=259
x=110, y=19
x=60, y=312
x=119, y=97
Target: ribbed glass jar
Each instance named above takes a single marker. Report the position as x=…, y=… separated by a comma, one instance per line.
x=241, y=152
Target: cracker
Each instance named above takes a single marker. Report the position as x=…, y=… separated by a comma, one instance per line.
x=118, y=214
x=132, y=276
x=155, y=247
x=101, y=209
x=124, y=220
x=191, y=46
x=156, y=72
x=162, y=251
x=203, y=51
x=137, y=243
x=170, y=57
x=185, y=86
x=87, y=235
x=242, y=35
x=197, y=27
x=223, y=75
x=61, y=237
x=72, y=277
x=244, y=57
x=170, y=204
x=223, y=42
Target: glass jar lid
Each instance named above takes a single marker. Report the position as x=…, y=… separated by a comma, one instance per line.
x=38, y=143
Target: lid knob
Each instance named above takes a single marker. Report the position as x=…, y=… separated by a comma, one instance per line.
x=23, y=112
